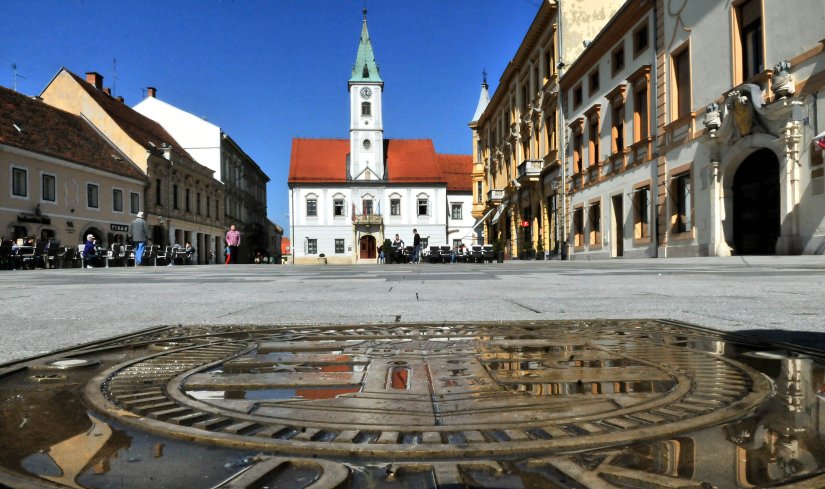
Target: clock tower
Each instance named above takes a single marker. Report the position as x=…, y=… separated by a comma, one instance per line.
x=366, y=131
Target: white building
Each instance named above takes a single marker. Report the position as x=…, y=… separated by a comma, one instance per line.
x=347, y=195
x=244, y=181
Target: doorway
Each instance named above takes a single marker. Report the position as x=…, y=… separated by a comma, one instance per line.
x=617, y=226
x=367, y=247
x=756, y=222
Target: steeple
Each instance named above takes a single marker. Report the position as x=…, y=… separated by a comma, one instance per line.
x=365, y=68
x=483, y=99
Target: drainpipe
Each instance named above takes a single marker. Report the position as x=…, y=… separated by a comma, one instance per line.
x=655, y=95
x=563, y=127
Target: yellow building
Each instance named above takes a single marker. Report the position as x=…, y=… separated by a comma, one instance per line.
x=183, y=202
x=517, y=172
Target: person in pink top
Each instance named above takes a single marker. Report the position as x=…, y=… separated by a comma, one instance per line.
x=233, y=240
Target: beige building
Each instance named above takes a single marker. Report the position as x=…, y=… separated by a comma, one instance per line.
x=63, y=179
x=703, y=141
x=184, y=203
x=517, y=171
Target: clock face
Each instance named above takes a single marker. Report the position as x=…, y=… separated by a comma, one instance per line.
x=366, y=92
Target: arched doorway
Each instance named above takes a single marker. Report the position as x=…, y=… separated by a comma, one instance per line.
x=756, y=222
x=367, y=247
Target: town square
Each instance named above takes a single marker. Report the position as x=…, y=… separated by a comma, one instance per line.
x=529, y=244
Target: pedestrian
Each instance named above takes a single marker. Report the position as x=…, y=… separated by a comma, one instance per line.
x=233, y=240
x=90, y=251
x=416, y=246
x=139, y=233
x=398, y=248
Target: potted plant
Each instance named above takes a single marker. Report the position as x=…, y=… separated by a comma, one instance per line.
x=498, y=251
x=539, y=250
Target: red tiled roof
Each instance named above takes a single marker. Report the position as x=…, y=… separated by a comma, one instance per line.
x=318, y=160
x=324, y=161
x=50, y=131
x=457, y=171
x=139, y=127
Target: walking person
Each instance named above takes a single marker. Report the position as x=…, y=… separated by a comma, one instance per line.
x=139, y=232
x=416, y=246
x=90, y=251
x=233, y=240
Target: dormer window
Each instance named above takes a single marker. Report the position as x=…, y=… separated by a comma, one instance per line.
x=366, y=71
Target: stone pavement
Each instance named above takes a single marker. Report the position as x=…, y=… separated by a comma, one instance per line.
x=778, y=298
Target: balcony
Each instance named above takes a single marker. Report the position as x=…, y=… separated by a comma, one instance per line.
x=529, y=171
x=495, y=196
x=368, y=219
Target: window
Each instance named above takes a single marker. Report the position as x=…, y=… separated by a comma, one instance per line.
x=577, y=96
x=312, y=246
x=641, y=212
x=593, y=129
x=19, y=182
x=617, y=129
x=479, y=156
x=198, y=202
x=680, y=192
x=578, y=149
x=208, y=206
x=550, y=127
x=423, y=207
x=578, y=227
x=395, y=207
x=338, y=207
x=640, y=40
x=366, y=109
x=92, y=196
x=339, y=246
x=367, y=205
x=617, y=60
x=186, y=202
x=681, y=84
x=134, y=199
x=478, y=192
x=175, y=196
x=595, y=218
x=117, y=200
x=593, y=81
x=749, y=18
x=367, y=144
x=312, y=207
x=455, y=211
x=158, y=192
x=457, y=244
x=49, y=188
x=640, y=119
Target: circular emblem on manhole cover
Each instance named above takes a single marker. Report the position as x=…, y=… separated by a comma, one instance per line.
x=430, y=391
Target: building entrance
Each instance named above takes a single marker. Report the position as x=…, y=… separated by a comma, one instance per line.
x=617, y=225
x=756, y=222
x=367, y=247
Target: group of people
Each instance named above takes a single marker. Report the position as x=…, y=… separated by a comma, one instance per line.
x=139, y=234
x=398, y=249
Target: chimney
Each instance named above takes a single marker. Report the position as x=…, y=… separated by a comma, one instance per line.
x=151, y=92
x=94, y=78
x=107, y=91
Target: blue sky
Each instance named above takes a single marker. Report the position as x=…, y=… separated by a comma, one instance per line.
x=268, y=71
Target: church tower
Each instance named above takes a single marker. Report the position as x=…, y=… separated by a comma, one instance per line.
x=366, y=133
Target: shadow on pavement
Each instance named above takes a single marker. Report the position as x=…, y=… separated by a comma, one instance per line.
x=806, y=339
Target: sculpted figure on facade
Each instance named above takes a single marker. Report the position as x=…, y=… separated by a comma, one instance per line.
x=782, y=83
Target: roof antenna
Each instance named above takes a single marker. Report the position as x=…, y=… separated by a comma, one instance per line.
x=15, y=75
x=114, y=75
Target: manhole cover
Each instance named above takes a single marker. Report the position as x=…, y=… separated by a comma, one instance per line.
x=518, y=405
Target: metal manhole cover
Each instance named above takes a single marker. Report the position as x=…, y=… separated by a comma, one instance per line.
x=523, y=405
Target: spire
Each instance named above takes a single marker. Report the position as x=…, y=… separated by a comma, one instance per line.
x=484, y=98
x=365, y=68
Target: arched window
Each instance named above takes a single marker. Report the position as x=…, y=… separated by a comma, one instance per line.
x=312, y=205
x=366, y=109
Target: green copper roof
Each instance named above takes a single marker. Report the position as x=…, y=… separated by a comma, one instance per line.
x=365, y=68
